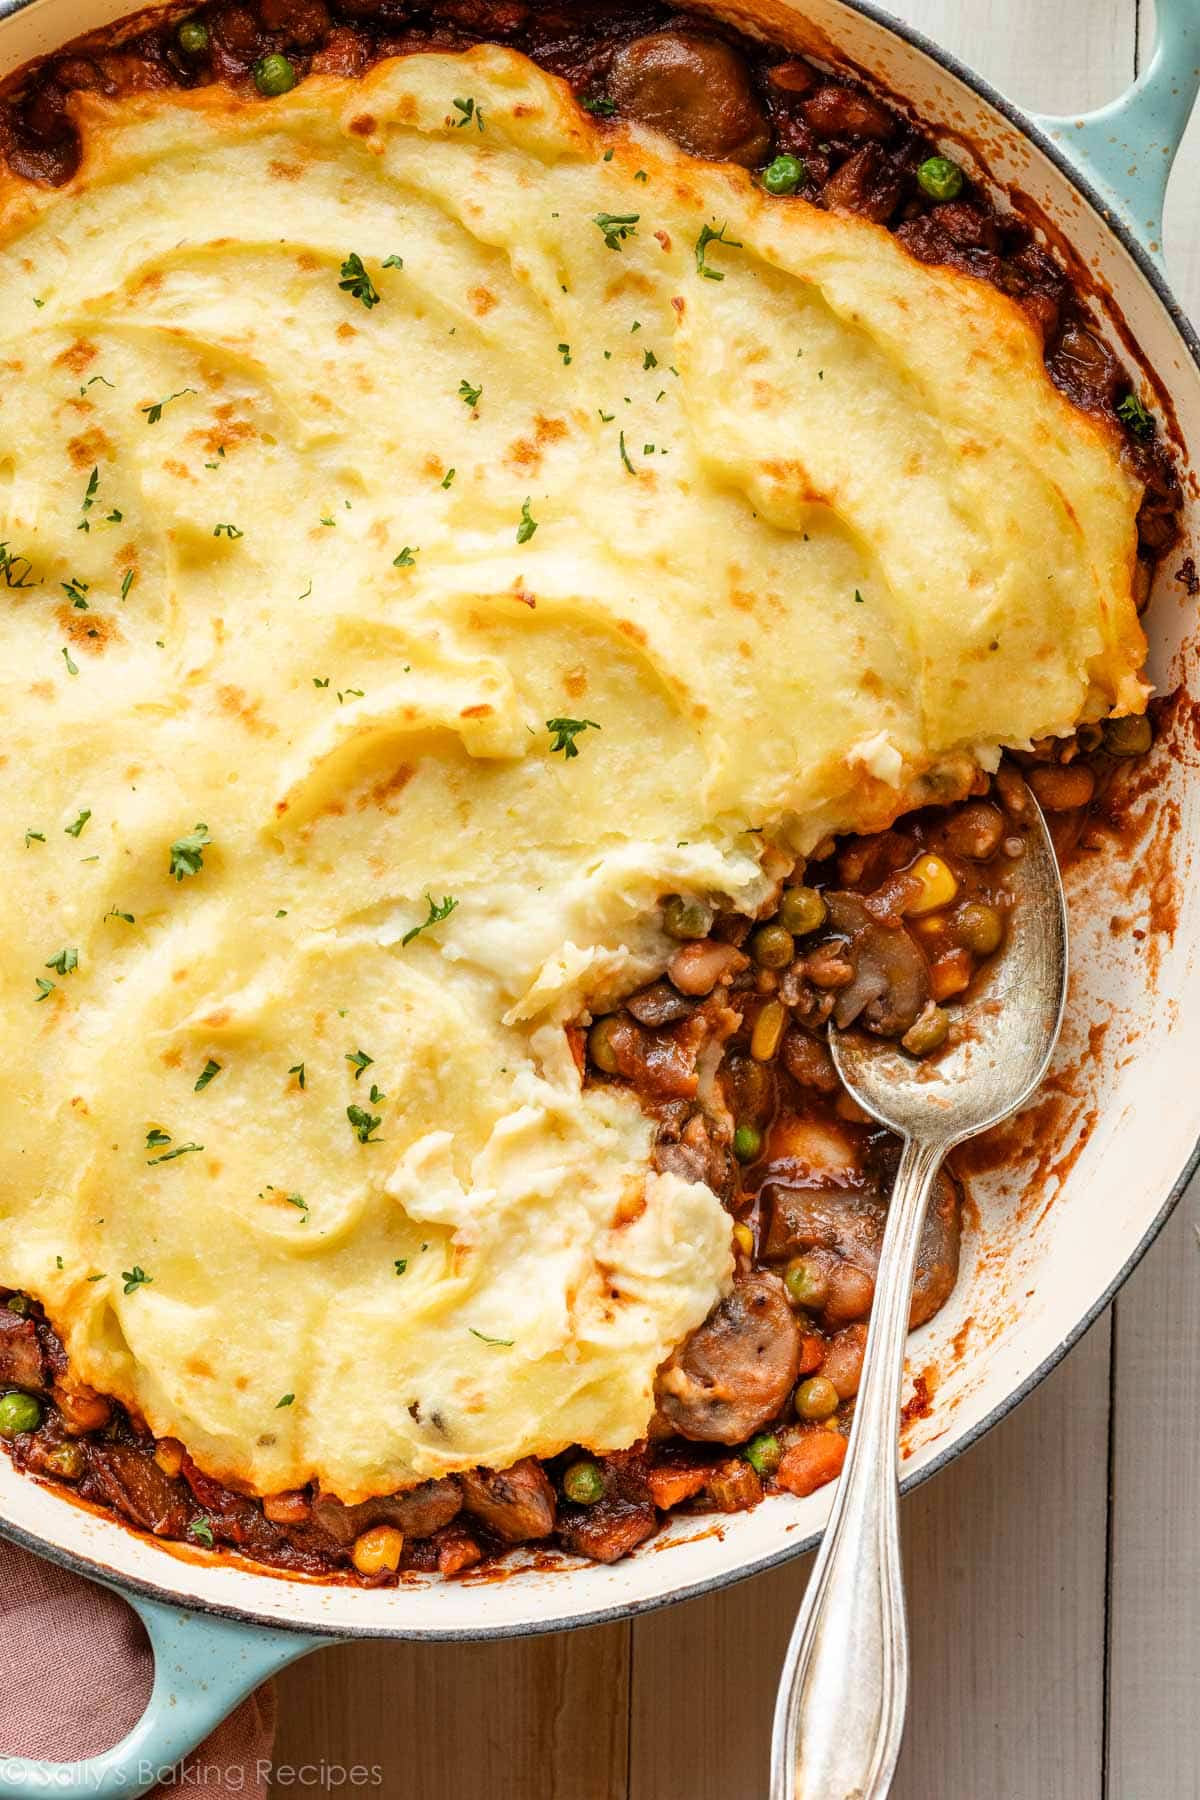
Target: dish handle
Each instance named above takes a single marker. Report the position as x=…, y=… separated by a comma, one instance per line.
x=203, y=1666
x=1127, y=147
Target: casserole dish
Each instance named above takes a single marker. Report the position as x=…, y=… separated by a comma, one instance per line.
x=1067, y=1283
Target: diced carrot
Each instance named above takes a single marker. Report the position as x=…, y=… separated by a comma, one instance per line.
x=811, y=1460
x=669, y=1485
x=457, y=1552
x=812, y=1353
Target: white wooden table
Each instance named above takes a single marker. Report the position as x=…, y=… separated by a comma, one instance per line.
x=1054, y=1571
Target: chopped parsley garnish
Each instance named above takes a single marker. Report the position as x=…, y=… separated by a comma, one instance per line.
x=484, y=1339
x=75, y=589
x=16, y=570
x=602, y=106
x=89, y=500
x=72, y=668
x=210, y=1069
x=229, y=531
x=202, y=1531
x=364, y=1123
x=154, y=413
x=858, y=599
x=114, y=912
x=407, y=557
x=286, y=1401
x=566, y=731
x=376, y=1095
x=170, y=1155
x=400, y=1264
x=44, y=988
x=187, y=853
x=528, y=525
x=625, y=454
x=448, y=478
x=135, y=1278
x=649, y=361
x=356, y=282
x=393, y=262
x=66, y=962
x=709, y=236
x=75, y=829
x=617, y=227
x=1133, y=414
x=640, y=175
x=438, y=910
x=34, y=837
x=300, y=1203
x=297, y=1069
x=91, y=382
x=564, y=350
x=359, y=1060
x=469, y=111
x=156, y=1136
x=469, y=395
x=320, y=681
x=126, y=584
x=607, y=417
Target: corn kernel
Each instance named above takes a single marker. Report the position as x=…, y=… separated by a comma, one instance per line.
x=378, y=1549
x=768, y=1030
x=743, y=1237
x=938, y=886
x=168, y=1454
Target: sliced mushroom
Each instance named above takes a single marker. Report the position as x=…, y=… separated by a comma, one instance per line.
x=735, y=1371
x=891, y=982
x=697, y=90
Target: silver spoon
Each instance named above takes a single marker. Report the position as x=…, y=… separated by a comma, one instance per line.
x=839, y=1718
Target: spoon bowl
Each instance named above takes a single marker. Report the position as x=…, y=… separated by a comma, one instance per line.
x=1004, y=1034
x=839, y=1718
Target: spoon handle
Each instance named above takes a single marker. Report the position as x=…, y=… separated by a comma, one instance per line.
x=839, y=1718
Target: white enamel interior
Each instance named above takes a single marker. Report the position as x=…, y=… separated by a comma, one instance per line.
x=1050, y=1245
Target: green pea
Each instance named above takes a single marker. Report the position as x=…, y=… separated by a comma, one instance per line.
x=193, y=37
x=763, y=1453
x=929, y=1032
x=747, y=1143
x=686, y=917
x=816, y=1398
x=66, y=1461
x=583, y=1482
x=940, y=178
x=979, y=927
x=599, y=1044
x=772, y=947
x=802, y=910
x=807, y=1284
x=784, y=175
x=1131, y=736
x=19, y=1412
x=274, y=75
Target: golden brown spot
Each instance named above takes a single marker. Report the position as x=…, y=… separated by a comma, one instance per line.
x=764, y=393
x=150, y=282
x=219, y=1016
x=227, y=434
x=173, y=1058
x=482, y=300
x=432, y=467
x=174, y=467
x=284, y=171
x=387, y=791
x=196, y=1365
x=233, y=700
x=677, y=301
x=308, y=262
x=89, y=448
x=522, y=111
x=664, y=239
x=575, y=682
x=44, y=690
x=88, y=631
x=872, y=683
x=476, y=712
x=241, y=1382
x=742, y=600
x=632, y=631
x=77, y=356
x=346, y=330
x=521, y=593
x=405, y=107
x=364, y=125
x=632, y=281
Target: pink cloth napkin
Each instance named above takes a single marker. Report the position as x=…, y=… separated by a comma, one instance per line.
x=75, y=1671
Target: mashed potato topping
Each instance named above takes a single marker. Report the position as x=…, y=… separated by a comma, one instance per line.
x=436, y=526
